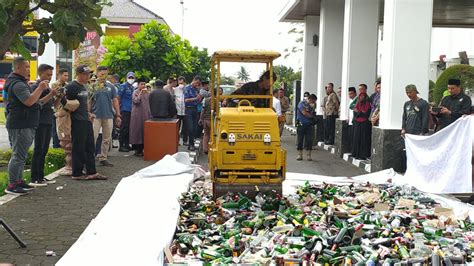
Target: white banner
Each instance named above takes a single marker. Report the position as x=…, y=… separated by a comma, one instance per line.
x=441, y=163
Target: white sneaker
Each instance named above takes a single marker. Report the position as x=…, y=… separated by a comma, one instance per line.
x=41, y=183
x=52, y=181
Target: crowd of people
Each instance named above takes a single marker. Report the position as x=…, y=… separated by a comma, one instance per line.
x=83, y=114
x=419, y=117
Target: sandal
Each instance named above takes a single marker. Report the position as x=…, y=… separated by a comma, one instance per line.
x=82, y=177
x=96, y=176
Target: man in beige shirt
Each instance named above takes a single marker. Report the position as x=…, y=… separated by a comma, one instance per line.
x=330, y=111
x=285, y=107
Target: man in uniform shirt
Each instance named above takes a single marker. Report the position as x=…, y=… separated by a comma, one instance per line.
x=259, y=87
x=453, y=106
x=415, y=113
x=125, y=99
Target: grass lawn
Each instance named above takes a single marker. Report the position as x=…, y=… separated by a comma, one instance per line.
x=2, y=116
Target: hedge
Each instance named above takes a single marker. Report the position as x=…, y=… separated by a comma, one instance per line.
x=463, y=72
x=55, y=159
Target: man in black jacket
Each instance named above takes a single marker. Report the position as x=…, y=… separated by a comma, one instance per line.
x=22, y=121
x=162, y=105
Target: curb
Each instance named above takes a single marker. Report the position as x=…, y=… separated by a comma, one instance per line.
x=364, y=165
x=292, y=129
x=8, y=197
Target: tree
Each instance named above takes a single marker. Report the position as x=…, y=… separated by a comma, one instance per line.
x=463, y=72
x=243, y=74
x=295, y=32
x=285, y=75
x=227, y=80
x=155, y=52
x=68, y=24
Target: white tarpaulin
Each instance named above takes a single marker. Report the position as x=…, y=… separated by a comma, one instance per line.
x=139, y=219
x=441, y=163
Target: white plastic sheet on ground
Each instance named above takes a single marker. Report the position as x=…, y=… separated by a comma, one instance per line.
x=139, y=219
x=441, y=163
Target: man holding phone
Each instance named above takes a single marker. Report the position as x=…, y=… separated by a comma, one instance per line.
x=415, y=113
x=454, y=105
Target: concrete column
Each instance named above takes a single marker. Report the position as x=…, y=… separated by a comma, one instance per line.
x=49, y=55
x=359, y=54
x=406, y=55
x=405, y=60
x=311, y=54
x=331, y=38
x=359, y=59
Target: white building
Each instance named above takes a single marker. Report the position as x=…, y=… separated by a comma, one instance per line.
x=341, y=40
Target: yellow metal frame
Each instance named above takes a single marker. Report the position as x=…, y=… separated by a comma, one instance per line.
x=231, y=176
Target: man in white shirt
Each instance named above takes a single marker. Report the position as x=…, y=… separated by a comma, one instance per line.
x=180, y=109
x=277, y=109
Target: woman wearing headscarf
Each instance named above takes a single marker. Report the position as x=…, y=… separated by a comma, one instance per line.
x=140, y=113
x=362, y=126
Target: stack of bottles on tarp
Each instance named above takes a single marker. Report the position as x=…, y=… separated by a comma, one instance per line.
x=358, y=224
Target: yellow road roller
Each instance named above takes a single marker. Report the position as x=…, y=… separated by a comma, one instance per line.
x=245, y=153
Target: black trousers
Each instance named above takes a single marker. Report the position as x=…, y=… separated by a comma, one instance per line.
x=82, y=147
x=125, y=129
x=305, y=137
x=42, y=139
x=329, y=129
x=55, y=135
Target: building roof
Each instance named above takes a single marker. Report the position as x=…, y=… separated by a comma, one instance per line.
x=446, y=13
x=127, y=11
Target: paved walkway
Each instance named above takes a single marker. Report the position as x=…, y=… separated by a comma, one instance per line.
x=51, y=219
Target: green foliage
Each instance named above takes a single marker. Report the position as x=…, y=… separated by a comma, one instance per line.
x=463, y=72
x=55, y=159
x=285, y=75
x=243, y=74
x=68, y=24
x=155, y=52
x=227, y=80
x=431, y=87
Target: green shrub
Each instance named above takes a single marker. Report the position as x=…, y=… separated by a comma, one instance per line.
x=55, y=159
x=463, y=72
x=6, y=155
x=3, y=182
x=431, y=87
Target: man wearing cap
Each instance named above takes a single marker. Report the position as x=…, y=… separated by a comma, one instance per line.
x=81, y=128
x=125, y=99
x=415, y=113
x=162, y=105
x=453, y=106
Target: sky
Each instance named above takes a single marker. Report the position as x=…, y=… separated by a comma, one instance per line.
x=230, y=24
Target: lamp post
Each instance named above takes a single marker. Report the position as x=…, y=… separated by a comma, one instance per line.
x=182, y=18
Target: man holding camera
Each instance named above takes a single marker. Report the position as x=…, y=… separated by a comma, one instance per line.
x=22, y=120
x=453, y=106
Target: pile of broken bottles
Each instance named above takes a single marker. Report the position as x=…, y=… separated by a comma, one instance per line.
x=358, y=224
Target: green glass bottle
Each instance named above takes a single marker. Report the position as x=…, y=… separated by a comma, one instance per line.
x=310, y=232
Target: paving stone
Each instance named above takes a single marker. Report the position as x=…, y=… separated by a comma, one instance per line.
x=53, y=219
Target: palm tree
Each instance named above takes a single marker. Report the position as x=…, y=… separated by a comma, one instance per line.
x=243, y=74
